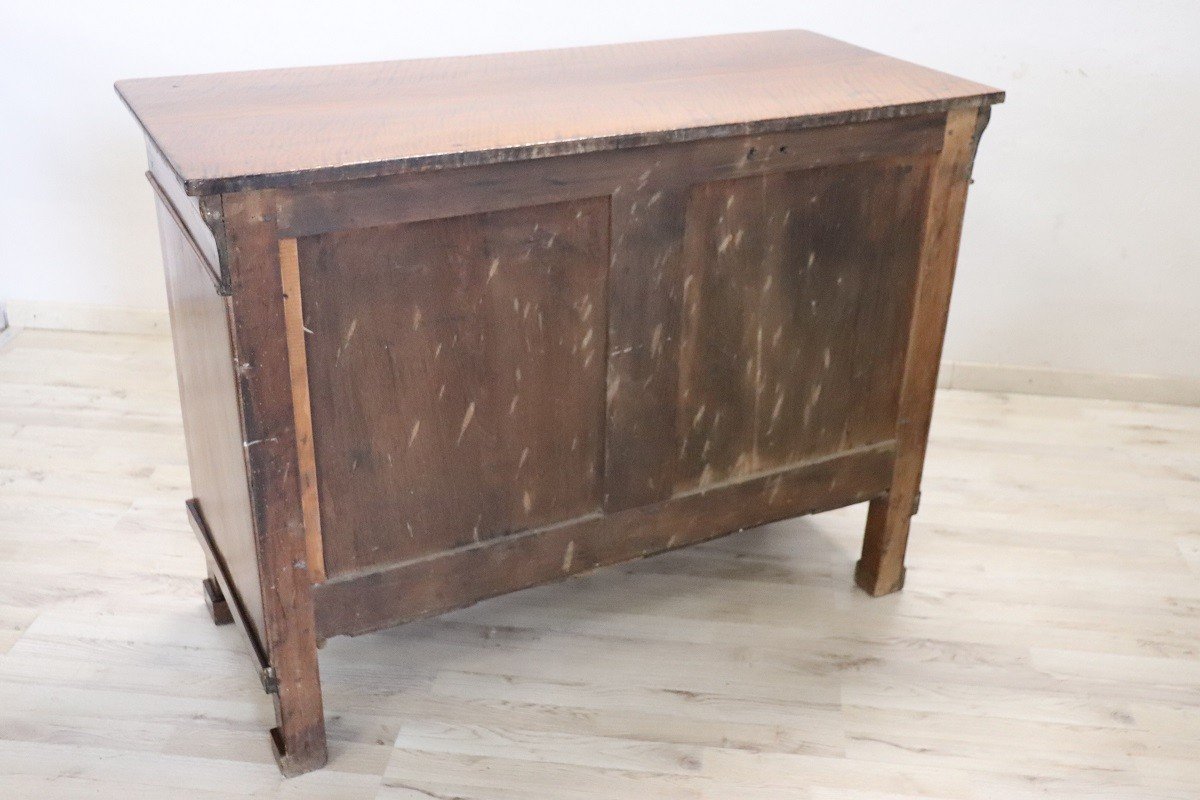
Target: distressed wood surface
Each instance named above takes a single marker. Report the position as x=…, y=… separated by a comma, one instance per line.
x=464, y=383
x=456, y=578
x=642, y=356
x=234, y=131
x=457, y=368
x=744, y=667
x=779, y=269
x=414, y=197
x=475, y=375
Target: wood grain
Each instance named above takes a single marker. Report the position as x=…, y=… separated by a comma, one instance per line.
x=642, y=356
x=200, y=325
x=277, y=128
x=456, y=578
x=412, y=341
x=779, y=269
x=293, y=312
x=414, y=197
x=457, y=368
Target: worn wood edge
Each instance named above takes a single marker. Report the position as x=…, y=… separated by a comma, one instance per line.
x=214, y=271
x=289, y=765
x=233, y=600
x=550, y=149
x=201, y=214
x=293, y=313
x=888, y=521
x=405, y=198
x=935, y=281
x=372, y=600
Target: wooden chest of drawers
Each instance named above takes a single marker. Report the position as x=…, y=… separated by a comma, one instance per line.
x=446, y=329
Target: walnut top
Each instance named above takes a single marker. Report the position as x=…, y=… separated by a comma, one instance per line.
x=269, y=128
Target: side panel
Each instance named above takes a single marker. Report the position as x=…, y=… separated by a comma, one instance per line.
x=208, y=393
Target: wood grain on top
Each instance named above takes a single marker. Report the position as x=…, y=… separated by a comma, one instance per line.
x=241, y=130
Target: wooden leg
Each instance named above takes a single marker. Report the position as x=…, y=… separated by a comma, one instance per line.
x=881, y=569
x=289, y=674
x=259, y=332
x=298, y=741
x=214, y=598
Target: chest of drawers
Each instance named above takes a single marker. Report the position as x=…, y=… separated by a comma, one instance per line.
x=450, y=328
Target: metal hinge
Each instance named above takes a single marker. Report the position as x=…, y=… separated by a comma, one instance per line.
x=916, y=506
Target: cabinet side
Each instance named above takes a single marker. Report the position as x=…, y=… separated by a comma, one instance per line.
x=204, y=365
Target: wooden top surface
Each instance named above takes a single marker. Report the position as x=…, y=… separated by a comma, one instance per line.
x=241, y=130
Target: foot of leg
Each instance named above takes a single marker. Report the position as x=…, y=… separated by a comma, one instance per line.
x=880, y=571
x=298, y=743
x=218, y=606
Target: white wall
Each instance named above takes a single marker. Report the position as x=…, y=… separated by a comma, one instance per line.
x=1082, y=234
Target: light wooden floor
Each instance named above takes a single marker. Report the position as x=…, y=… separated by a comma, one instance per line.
x=1047, y=645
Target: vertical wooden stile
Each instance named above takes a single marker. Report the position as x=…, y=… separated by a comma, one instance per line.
x=293, y=315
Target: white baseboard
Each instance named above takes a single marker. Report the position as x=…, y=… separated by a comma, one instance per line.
x=953, y=375
x=85, y=317
x=1066, y=383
